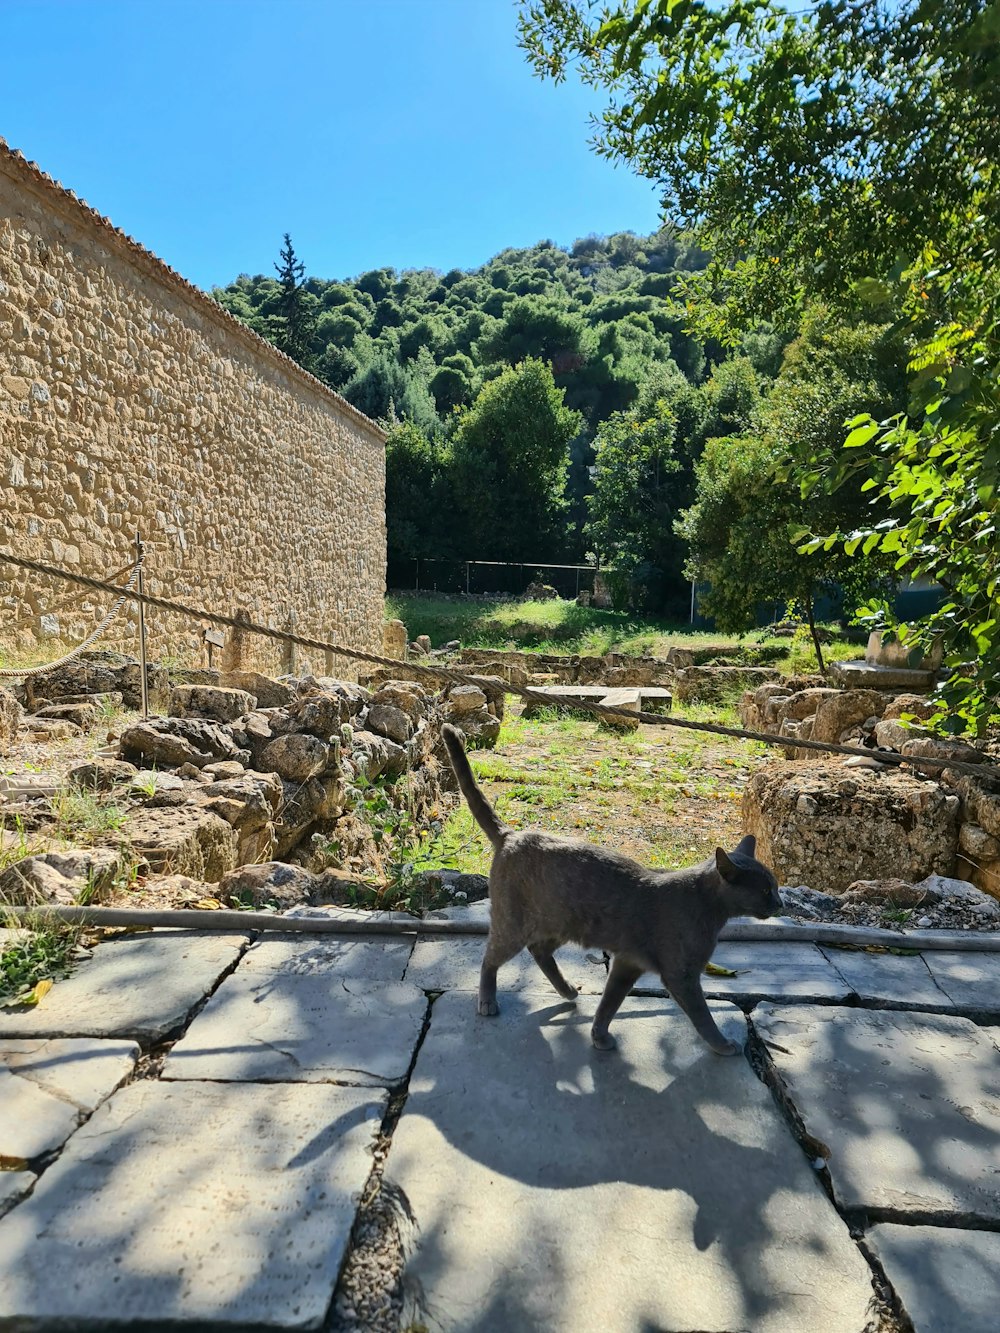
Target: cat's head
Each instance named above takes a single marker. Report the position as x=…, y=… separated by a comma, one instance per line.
x=752, y=888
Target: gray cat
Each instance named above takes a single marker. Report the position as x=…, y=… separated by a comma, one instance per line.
x=546, y=891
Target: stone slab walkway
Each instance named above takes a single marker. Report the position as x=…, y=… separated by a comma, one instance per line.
x=559, y=1188
x=190, y=1124
x=141, y=986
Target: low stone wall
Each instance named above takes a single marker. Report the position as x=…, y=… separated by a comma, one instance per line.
x=825, y=826
x=318, y=772
x=803, y=709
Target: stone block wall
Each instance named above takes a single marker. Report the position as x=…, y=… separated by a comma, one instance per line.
x=130, y=400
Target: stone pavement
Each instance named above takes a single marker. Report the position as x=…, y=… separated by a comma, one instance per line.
x=300, y=1132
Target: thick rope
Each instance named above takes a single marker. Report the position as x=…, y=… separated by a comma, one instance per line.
x=26, y=673
x=987, y=769
x=54, y=608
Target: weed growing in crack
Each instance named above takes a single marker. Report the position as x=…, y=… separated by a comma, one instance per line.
x=16, y=843
x=82, y=816
x=35, y=953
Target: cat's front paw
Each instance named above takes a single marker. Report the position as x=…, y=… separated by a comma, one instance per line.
x=487, y=1008
x=603, y=1040
x=727, y=1048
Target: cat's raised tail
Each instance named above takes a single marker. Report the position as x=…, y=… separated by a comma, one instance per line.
x=482, y=812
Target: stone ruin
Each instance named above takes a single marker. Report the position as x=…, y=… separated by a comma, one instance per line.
x=827, y=826
x=827, y=822
x=695, y=675
x=259, y=789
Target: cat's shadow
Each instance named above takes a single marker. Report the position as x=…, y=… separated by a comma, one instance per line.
x=556, y=1113
x=662, y=1114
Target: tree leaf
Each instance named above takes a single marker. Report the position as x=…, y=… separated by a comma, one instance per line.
x=37, y=993
x=716, y=970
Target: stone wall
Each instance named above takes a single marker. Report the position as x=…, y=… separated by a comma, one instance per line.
x=130, y=400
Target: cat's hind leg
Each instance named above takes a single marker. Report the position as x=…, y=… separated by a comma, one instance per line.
x=687, y=991
x=621, y=978
x=542, y=954
x=498, y=951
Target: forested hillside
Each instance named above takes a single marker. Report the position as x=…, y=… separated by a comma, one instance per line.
x=552, y=405
x=423, y=343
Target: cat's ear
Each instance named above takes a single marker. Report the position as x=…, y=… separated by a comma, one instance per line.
x=723, y=865
x=747, y=845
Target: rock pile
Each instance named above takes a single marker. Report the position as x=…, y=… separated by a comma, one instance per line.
x=225, y=781
x=936, y=903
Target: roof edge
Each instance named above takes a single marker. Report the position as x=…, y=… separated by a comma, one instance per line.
x=69, y=200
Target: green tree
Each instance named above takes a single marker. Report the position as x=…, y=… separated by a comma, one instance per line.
x=294, y=323
x=935, y=471
x=644, y=472
x=639, y=489
x=452, y=383
x=812, y=144
x=749, y=501
x=417, y=494
x=533, y=328
x=510, y=452
x=384, y=388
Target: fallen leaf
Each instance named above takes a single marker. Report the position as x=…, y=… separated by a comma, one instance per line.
x=37, y=992
x=13, y=1163
x=208, y=905
x=714, y=970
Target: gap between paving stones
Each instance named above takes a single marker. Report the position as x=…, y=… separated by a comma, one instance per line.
x=377, y=1248
x=146, y=1067
x=889, y=1315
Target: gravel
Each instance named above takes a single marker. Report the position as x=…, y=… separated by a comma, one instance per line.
x=947, y=905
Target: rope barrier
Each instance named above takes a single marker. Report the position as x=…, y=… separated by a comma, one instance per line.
x=988, y=768
x=54, y=607
x=26, y=673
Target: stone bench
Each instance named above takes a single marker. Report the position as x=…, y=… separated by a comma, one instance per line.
x=635, y=699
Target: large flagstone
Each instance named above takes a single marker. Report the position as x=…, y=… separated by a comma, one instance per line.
x=215, y=1205
x=907, y=1105
x=142, y=986
x=555, y=1187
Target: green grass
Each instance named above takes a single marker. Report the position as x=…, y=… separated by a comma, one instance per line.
x=665, y=796
x=553, y=626
x=35, y=955
x=81, y=817
x=559, y=626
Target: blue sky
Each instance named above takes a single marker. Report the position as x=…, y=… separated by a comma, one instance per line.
x=397, y=132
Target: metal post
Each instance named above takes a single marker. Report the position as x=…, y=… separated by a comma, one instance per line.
x=692, y=601
x=466, y=578
x=143, y=682
x=291, y=649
